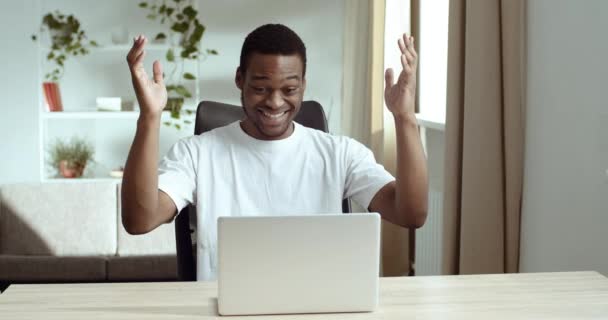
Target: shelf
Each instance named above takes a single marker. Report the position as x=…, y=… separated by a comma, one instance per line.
x=81, y=180
x=96, y=115
x=127, y=47
x=430, y=122
x=120, y=47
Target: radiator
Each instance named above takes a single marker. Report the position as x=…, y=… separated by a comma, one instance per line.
x=429, y=238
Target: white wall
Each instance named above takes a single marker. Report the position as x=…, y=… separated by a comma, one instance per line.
x=565, y=208
x=19, y=155
x=318, y=22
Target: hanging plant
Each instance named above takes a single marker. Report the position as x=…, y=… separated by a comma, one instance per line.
x=67, y=39
x=185, y=32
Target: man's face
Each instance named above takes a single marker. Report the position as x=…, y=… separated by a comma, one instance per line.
x=271, y=93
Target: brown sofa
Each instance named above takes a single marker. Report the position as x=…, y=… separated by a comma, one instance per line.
x=71, y=232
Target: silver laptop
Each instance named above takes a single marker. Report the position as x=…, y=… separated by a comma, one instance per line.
x=298, y=264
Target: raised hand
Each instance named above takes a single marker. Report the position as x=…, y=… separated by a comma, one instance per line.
x=151, y=93
x=401, y=97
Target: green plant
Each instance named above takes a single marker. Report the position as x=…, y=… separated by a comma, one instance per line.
x=67, y=39
x=74, y=154
x=184, y=24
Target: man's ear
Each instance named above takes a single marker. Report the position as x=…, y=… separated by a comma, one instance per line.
x=303, y=84
x=239, y=78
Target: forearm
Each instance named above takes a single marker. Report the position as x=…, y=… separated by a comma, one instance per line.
x=140, y=180
x=411, y=189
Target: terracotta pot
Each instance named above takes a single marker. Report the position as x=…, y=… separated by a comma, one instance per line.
x=174, y=104
x=70, y=171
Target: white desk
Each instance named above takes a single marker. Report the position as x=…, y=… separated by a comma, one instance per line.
x=571, y=295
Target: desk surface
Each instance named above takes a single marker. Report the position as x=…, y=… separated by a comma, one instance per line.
x=570, y=295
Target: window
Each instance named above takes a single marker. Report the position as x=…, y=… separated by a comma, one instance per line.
x=432, y=46
x=433, y=59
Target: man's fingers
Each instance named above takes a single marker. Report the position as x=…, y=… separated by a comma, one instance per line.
x=137, y=46
x=405, y=63
x=411, y=49
x=136, y=50
x=389, y=79
x=157, y=69
x=139, y=58
x=137, y=67
x=408, y=52
x=409, y=57
x=401, y=45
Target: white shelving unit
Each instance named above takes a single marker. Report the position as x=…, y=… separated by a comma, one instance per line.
x=97, y=126
x=103, y=73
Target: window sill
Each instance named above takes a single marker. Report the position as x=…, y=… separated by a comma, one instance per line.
x=430, y=122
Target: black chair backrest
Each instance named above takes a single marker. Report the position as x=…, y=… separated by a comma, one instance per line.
x=211, y=115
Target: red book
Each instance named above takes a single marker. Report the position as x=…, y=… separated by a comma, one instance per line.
x=52, y=96
x=47, y=95
x=58, y=104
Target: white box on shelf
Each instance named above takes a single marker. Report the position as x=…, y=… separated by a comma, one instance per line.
x=108, y=103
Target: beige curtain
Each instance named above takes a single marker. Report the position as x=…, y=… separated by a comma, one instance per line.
x=484, y=136
x=397, y=244
x=355, y=84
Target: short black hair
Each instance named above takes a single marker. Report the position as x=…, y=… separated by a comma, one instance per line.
x=272, y=39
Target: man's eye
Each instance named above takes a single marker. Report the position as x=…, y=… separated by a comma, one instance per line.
x=259, y=90
x=291, y=90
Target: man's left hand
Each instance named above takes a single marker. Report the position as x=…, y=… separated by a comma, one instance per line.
x=400, y=97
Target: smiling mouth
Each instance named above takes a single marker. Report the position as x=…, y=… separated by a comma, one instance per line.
x=273, y=116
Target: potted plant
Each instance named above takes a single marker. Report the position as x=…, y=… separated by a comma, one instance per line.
x=70, y=158
x=66, y=39
x=186, y=32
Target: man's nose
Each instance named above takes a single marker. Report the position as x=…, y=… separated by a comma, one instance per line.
x=275, y=100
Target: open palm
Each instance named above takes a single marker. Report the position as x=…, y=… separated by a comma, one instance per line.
x=151, y=92
x=400, y=97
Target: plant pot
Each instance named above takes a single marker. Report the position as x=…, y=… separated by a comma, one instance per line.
x=68, y=170
x=60, y=37
x=174, y=105
x=178, y=39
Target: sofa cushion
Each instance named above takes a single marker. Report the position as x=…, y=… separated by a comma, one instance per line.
x=142, y=268
x=158, y=242
x=62, y=219
x=52, y=269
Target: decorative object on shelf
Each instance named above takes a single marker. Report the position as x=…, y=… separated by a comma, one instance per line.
x=52, y=96
x=120, y=35
x=185, y=32
x=70, y=158
x=67, y=39
x=117, y=172
x=127, y=105
x=108, y=103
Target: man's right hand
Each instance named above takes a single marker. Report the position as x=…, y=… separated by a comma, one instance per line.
x=151, y=93
x=143, y=206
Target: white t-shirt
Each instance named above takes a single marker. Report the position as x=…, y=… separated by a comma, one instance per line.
x=226, y=172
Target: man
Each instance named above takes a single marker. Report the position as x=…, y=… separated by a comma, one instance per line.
x=266, y=163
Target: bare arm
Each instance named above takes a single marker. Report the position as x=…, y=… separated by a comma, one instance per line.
x=144, y=206
x=405, y=201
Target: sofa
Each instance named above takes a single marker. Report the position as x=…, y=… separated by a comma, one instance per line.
x=72, y=232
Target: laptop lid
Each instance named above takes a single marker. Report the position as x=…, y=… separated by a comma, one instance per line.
x=298, y=264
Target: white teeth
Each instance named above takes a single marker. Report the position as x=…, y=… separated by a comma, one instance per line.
x=273, y=116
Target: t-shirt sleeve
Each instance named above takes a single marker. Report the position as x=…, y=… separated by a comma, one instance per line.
x=177, y=174
x=364, y=176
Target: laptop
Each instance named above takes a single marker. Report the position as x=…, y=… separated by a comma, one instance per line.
x=298, y=264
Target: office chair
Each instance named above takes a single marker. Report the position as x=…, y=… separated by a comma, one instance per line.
x=211, y=115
